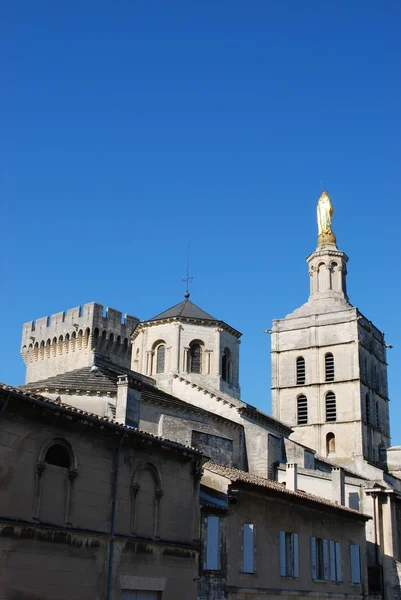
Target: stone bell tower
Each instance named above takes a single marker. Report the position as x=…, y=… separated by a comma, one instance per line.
x=329, y=370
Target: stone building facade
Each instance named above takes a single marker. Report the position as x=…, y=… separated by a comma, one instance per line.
x=93, y=509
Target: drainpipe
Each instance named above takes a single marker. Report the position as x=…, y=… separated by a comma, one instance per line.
x=113, y=517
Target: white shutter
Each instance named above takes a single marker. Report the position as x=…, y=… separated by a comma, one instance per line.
x=296, y=558
x=325, y=560
x=212, y=543
x=339, y=573
x=283, y=569
x=332, y=561
x=313, y=557
x=248, y=548
x=355, y=564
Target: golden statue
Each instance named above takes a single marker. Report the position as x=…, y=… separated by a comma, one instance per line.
x=325, y=212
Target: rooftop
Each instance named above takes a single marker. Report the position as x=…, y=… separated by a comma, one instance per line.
x=186, y=309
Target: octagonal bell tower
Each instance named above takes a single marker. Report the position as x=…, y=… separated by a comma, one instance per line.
x=188, y=342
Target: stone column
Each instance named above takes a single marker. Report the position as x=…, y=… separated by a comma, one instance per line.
x=185, y=365
x=175, y=358
x=217, y=361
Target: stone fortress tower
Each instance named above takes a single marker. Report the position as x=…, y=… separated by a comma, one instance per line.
x=329, y=370
x=70, y=340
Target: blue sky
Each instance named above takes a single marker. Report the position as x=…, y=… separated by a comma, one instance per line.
x=132, y=128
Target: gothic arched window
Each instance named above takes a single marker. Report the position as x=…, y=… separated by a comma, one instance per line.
x=329, y=366
x=300, y=370
x=226, y=365
x=195, y=358
x=331, y=409
x=160, y=358
x=147, y=493
x=330, y=443
x=58, y=455
x=302, y=410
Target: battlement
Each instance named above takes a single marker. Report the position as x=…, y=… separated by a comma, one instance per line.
x=67, y=340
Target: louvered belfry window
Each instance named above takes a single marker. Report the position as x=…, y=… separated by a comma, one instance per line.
x=195, y=358
x=300, y=370
x=331, y=410
x=160, y=359
x=302, y=410
x=329, y=366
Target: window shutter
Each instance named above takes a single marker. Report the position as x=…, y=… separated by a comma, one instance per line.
x=338, y=562
x=313, y=557
x=332, y=561
x=283, y=570
x=248, y=548
x=355, y=564
x=212, y=544
x=325, y=560
x=295, y=550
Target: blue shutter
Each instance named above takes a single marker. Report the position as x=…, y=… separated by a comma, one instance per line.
x=212, y=544
x=283, y=569
x=248, y=548
x=325, y=560
x=332, y=561
x=296, y=558
x=339, y=573
x=355, y=564
x=313, y=557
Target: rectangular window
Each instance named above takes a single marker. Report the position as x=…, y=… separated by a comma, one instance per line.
x=248, y=548
x=212, y=562
x=319, y=559
x=335, y=561
x=355, y=557
x=289, y=566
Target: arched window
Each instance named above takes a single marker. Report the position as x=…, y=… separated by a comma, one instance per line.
x=334, y=276
x=147, y=493
x=367, y=409
x=331, y=410
x=226, y=365
x=302, y=410
x=195, y=358
x=58, y=455
x=300, y=370
x=377, y=416
x=329, y=366
x=330, y=443
x=160, y=358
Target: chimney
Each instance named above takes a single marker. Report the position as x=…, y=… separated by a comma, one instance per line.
x=338, y=485
x=128, y=401
x=292, y=477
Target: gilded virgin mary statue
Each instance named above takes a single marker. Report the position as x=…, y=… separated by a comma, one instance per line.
x=325, y=212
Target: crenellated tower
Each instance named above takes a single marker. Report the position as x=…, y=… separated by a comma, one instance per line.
x=69, y=340
x=329, y=369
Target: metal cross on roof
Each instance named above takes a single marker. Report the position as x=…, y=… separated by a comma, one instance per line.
x=187, y=278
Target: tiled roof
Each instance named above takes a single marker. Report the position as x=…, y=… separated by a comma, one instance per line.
x=66, y=408
x=186, y=309
x=87, y=378
x=235, y=475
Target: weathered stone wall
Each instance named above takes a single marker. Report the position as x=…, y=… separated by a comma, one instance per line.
x=55, y=521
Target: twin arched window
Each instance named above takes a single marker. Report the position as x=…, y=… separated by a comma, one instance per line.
x=302, y=410
x=300, y=370
x=331, y=409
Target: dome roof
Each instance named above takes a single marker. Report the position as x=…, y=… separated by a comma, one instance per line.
x=186, y=309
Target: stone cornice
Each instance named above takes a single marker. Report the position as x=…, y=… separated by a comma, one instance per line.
x=204, y=322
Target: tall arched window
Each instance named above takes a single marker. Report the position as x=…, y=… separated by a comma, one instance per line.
x=147, y=493
x=329, y=366
x=367, y=409
x=302, y=410
x=330, y=443
x=160, y=358
x=331, y=410
x=226, y=365
x=300, y=370
x=195, y=358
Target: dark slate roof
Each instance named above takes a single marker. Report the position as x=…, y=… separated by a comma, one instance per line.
x=186, y=309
